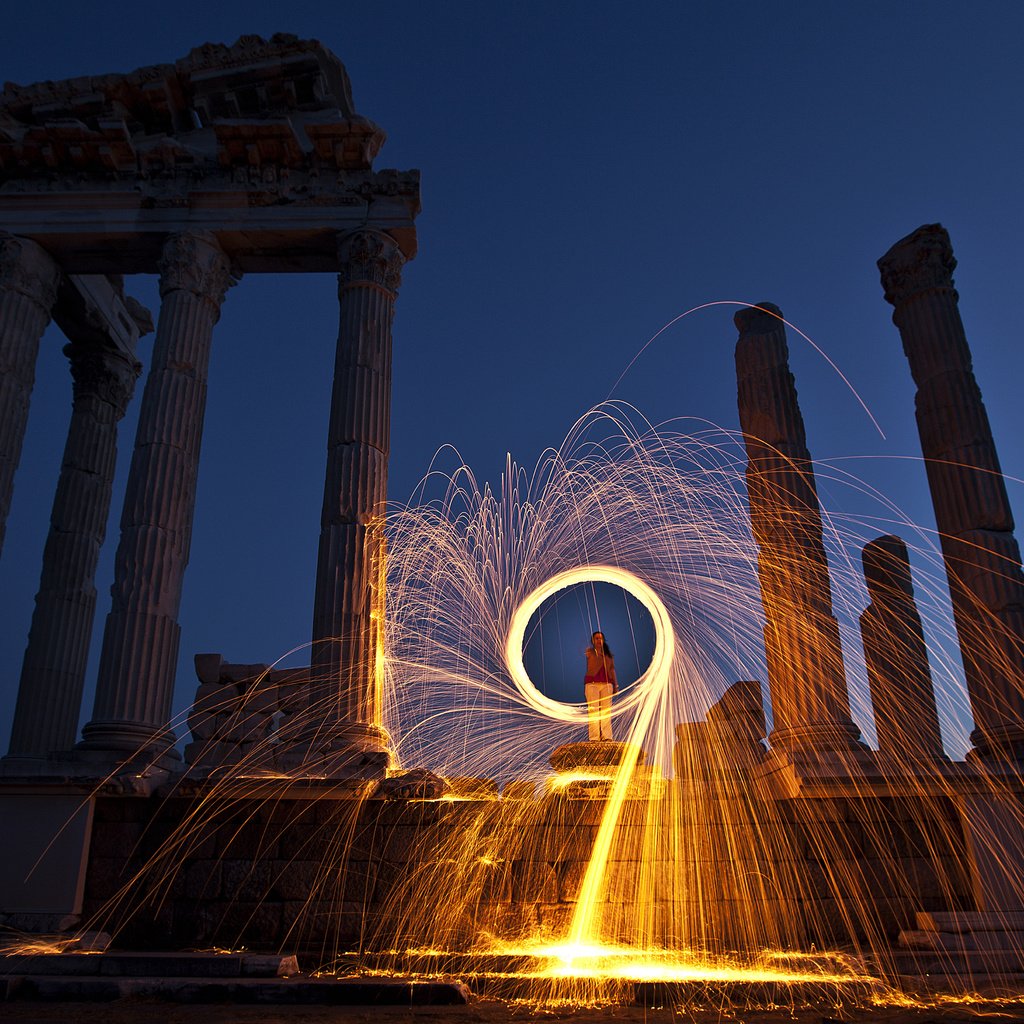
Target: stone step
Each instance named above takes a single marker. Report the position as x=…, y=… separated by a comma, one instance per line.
x=990, y=986
x=279, y=991
x=152, y=965
x=746, y=993
x=979, y=964
x=970, y=921
x=961, y=942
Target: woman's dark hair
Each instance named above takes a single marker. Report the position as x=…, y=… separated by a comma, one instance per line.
x=607, y=649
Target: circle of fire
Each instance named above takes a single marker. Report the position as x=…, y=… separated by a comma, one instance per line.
x=661, y=660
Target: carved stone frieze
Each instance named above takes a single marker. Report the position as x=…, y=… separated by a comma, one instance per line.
x=282, y=101
x=28, y=269
x=923, y=261
x=196, y=263
x=370, y=257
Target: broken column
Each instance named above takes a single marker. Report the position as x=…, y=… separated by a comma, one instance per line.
x=53, y=672
x=28, y=289
x=806, y=677
x=344, y=701
x=140, y=643
x=902, y=696
x=972, y=510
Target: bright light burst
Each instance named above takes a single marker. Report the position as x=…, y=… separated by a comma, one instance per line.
x=660, y=514
x=673, y=861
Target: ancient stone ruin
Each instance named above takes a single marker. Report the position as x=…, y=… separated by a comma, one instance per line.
x=287, y=822
x=233, y=160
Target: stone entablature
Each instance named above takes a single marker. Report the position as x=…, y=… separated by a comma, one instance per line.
x=258, y=142
x=288, y=98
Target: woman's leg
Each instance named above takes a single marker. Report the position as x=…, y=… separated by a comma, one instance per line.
x=605, y=712
x=593, y=694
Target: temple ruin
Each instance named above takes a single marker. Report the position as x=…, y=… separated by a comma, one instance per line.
x=233, y=160
x=250, y=159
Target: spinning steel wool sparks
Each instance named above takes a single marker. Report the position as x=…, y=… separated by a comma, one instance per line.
x=415, y=800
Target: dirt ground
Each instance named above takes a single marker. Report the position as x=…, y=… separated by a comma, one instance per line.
x=139, y=1011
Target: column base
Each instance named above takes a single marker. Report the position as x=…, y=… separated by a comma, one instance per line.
x=998, y=747
x=829, y=738
x=128, y=746
x=813, y=756
x=353, y=750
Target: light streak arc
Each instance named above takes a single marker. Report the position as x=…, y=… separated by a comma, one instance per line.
x=654, y=677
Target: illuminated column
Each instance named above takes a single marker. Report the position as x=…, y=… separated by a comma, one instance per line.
x=972, y=510
x=806, y=678
x=53, y=672
x=344, y=699
x=902, y=697
x=140, y=643
x=28, y=290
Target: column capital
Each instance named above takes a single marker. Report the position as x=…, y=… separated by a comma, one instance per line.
x=887, y=568
x=759, y=319
x=921, y=262
x=195, y=262
x=28, y=268
x=103, y=373
x=370, y=257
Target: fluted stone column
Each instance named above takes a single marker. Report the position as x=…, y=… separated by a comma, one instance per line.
x=806, y=677
x=135, y=687
x=972, y=510
x=53, y=672
x=344, y=698
x=28, y=289
x=902, y=696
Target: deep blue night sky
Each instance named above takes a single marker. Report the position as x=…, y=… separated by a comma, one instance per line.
x=590, y=170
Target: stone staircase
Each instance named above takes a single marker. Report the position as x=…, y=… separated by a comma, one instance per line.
x=963, y=951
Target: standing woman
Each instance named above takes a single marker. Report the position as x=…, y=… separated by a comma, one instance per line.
x=599, y=684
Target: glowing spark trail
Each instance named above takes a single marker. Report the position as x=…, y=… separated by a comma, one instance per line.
x=653, y=679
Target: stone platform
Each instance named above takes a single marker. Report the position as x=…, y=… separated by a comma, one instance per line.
x=595, y=754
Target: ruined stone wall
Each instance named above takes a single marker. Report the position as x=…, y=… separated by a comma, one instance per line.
x=329, y=875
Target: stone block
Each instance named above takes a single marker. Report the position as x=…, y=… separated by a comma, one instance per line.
x=971, y=921
x=211, y=753
x=115, y=839
x=554, y=919
x=198, y=880
x=248, y=879
x=561, y=809
x=236, y=923
x=202, y=725
x=569, y=875
x=946, y=941
x=295, y=880
x=519, y=790
x=495, y=883
x=43, y=861
x=514, y=920
x=261, y=698
x=359, y=882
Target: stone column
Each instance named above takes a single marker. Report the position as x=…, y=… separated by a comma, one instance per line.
x=53, y=672
x=902, y=697
x=344, y=698
x=28, y=289
x=806, y=677
x=972, y=510
x=140, y=643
